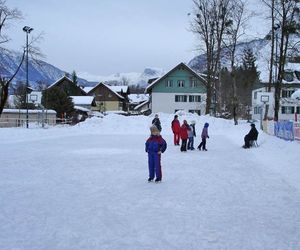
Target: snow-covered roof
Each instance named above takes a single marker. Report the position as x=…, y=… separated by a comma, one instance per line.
x=82, y=109
x=30, y=111
x=109, y=87
x=82, y=100
x=296, y=95
x=118, y=88
x=141, y=105
x=138, y=98
x=87, y=89
x=183, y=64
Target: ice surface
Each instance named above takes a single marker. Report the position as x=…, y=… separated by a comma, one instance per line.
x=84, y=187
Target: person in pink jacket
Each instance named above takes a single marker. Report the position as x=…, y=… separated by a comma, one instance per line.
x=175, y=125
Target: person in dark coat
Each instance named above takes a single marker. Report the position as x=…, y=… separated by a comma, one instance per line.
x=251, y=136
x=204, y=136
x=154, y=146
x=175, y=125
x=184, y=135
x=156, y=122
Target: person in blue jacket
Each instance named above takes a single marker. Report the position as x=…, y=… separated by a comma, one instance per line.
x=155, y=146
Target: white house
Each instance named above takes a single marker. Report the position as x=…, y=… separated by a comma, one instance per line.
x=289, y=107
x=179, y=89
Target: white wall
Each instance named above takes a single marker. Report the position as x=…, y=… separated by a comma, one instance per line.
x=165, y=102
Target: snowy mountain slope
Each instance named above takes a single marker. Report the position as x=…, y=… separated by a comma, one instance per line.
x=260, y=48
x=133, y=78
x=39, y=71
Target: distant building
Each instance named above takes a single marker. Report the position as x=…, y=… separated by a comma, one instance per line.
x=136, y=100
x=68, y=86
x=87, y=102
x=109, y=98
x=289, y=107
x=179, y=89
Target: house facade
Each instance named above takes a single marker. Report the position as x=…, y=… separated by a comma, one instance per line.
x=289, y=107
x=106, y=99
x=179, y=89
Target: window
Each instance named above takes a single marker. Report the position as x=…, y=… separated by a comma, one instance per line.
x=169, y=83
x=287, y=110
x=180, y=98
x=255, y=95
x=286, y=93
x=180, y=83
x=257, y=110
x=194, y=83
x=298, y=110
x=195, y=98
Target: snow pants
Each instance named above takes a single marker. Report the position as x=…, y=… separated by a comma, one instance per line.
x=202, y=144
x=183, y=145
x=176, y=138
x=154, y=165
x=191, y=143
x=247, y=141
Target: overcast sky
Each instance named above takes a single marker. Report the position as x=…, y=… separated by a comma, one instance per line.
x=102, y=37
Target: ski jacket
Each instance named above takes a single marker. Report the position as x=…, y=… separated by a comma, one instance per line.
x=156, y=122
x=175, y=126
x=184, y=131
x=253, y=134
x=192, y=131
x=154, y=144
x=204, y=134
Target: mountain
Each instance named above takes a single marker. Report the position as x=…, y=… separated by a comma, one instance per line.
x=133, y=78
x=260, y=48
x=39, y=71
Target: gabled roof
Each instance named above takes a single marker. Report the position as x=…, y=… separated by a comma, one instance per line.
x=165, y=75
x=119, y=88
x=141, y=105
x=107, y=86
x=59, y=80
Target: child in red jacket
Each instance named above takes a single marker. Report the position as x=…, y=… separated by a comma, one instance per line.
x=184, y=135
x=176, y=130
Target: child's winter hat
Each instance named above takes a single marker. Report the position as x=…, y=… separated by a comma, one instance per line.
x=154, y=129
x=206, y=125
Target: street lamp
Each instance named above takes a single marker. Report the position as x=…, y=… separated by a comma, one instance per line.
x=27, y=30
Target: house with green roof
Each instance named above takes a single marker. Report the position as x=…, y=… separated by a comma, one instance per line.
x=179, y=89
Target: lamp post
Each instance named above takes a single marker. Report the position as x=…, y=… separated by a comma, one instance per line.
x=27, y=30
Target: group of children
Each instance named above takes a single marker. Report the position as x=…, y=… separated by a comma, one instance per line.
x=186, y=133
x=156, y=145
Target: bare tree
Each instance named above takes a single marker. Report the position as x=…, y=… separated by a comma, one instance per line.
x=209, y=23
x=7, y=17
x=234, y=31
x=284, y=15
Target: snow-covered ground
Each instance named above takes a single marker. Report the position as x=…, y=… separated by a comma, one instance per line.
x=84, y=187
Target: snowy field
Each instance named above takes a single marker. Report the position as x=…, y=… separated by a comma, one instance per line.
x=84, y=187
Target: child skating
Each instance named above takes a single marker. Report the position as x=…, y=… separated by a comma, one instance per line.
x=204, y=136
x=155, y=146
